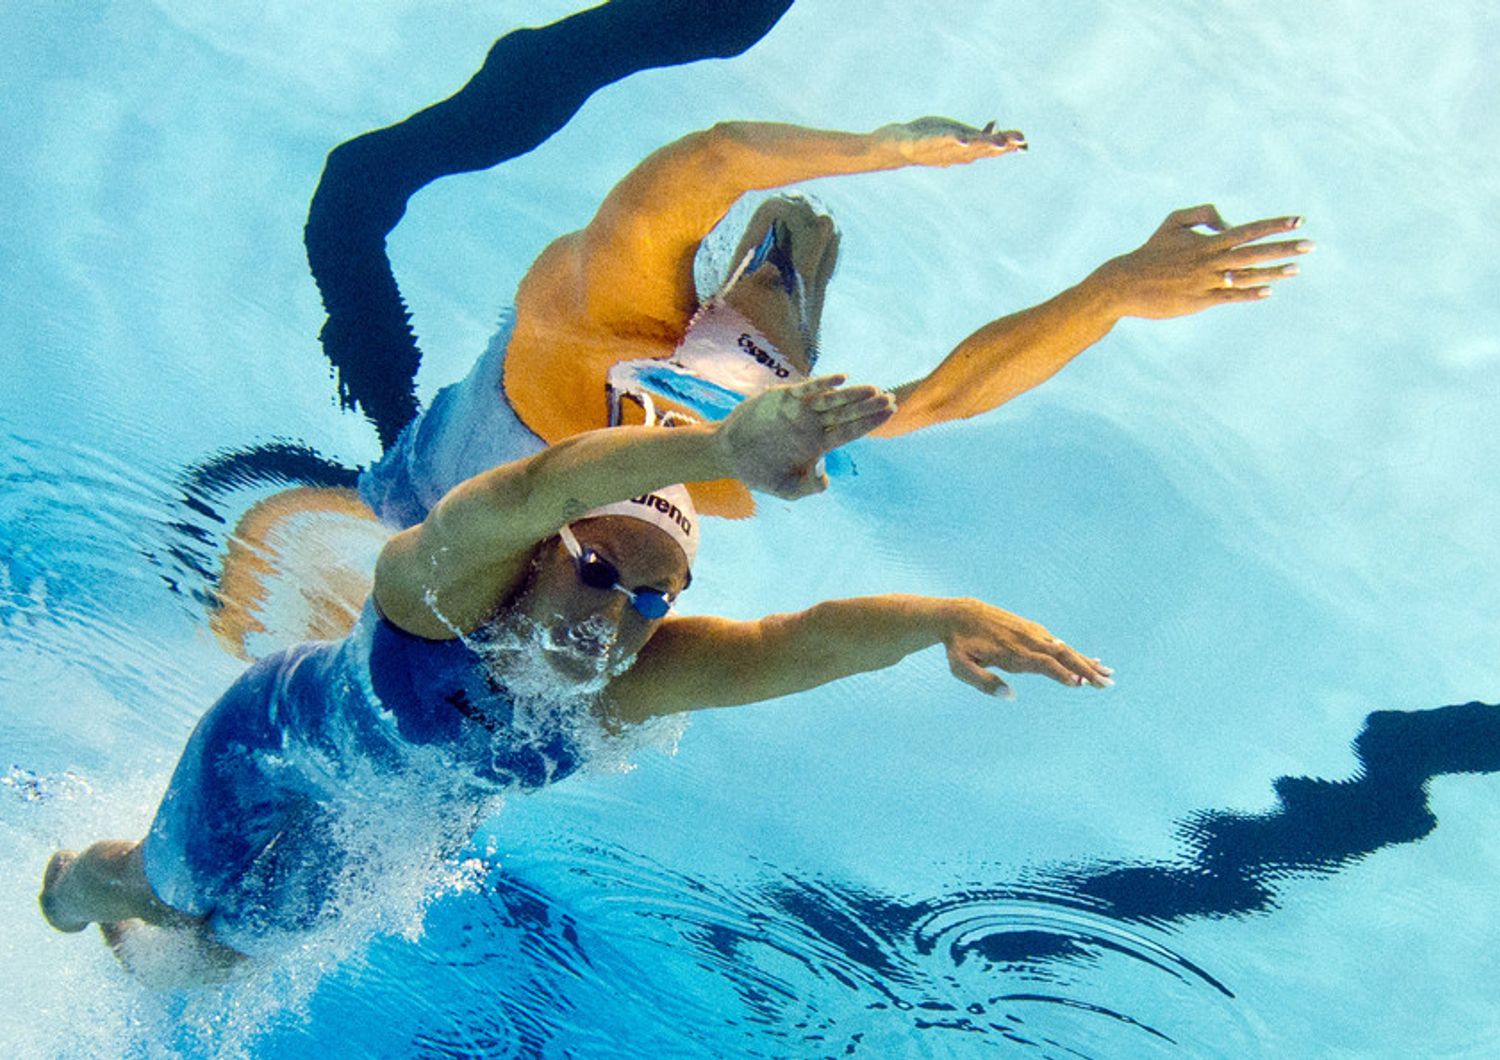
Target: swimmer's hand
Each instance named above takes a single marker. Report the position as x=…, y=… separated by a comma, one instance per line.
x=945, y=142
x=773, y=441
x=1180, y=270
x=979, y=637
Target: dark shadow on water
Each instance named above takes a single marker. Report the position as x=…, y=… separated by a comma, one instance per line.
x=1234, y=861
x=901, y=954
x=1318, y=827
x=1017, y=959
x=1232, y=867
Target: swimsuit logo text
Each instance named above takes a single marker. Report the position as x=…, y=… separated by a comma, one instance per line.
x=748, y=344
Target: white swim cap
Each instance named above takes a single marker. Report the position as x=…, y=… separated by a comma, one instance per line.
x=669, y=509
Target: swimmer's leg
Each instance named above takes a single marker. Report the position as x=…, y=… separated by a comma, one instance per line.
x=532, y=82
x=104, y=884
x=204, y=959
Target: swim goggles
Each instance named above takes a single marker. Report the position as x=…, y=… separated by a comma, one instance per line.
x=599, y=573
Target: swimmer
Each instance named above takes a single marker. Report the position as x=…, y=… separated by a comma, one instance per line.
x=620, y=293
x=566, y=563
x=600, y=305
x=607, y=326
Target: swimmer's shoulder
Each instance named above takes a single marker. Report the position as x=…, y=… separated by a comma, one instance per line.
x=561, y=350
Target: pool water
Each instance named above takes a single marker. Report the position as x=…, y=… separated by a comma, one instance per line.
x=1275, y=837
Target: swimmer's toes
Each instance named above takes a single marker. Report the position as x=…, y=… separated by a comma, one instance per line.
x=57, y=867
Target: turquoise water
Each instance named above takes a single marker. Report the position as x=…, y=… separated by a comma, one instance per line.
x=1272, y=520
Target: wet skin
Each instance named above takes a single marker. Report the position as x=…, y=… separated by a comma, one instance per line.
x=556, y=599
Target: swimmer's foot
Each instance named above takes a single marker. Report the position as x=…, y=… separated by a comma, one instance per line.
x=53, y=880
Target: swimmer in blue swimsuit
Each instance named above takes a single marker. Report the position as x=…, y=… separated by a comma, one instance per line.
x=607, y=325
x=532, y=607
x=621, y=290
x=599, y=305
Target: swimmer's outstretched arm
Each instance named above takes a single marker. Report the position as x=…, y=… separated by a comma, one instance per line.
x=697, y=662
x=449, y=573
x=1178, y=271
x=634, y=261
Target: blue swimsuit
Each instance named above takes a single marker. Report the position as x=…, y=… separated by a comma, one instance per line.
x=468, y=428
x=246, y=836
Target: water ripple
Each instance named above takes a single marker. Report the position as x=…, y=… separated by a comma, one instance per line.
x=787, y=965
x=1020, y=933
x=75, y=592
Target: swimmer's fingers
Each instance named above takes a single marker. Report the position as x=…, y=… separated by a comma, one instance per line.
x=1251, y=279
x=1249, y=233
x=1000, y=142
x=1230, y=295
x=1206, y=216
x=876, y=404
x=1009, y=139
x=831, y=401
x=1048, y=666
x=1071, y=667
x=935, y=141
x=801, y=484
x=849, y=412
x=981, y=637
x=971, y=667
x=1038, y=651
x=1257, y=253
x=1182, y=270
x=843, y=433
x=810, y=389
x=972, y=673
x=1238, y=267
x=814, y=482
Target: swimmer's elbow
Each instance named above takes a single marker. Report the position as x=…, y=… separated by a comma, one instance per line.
x=707, y=154
x=727, y=135
x=724, y=149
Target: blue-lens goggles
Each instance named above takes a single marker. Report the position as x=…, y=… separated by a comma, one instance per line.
x=599, y=573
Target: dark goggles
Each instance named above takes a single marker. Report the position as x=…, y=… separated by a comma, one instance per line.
x=599, y=573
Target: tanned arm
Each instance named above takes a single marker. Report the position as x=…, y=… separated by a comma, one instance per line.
x=1176, y=272
x=449, y=573
x=699, y=662
x=634, y=261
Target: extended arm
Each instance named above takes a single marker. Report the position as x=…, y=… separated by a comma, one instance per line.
x=635, y=258
x=699, y=662
x=450, y=572
x=1176, y=272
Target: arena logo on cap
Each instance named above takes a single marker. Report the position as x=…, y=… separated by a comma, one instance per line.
x=667, y=508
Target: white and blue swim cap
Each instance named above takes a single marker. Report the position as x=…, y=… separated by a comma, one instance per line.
x=669, y=509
